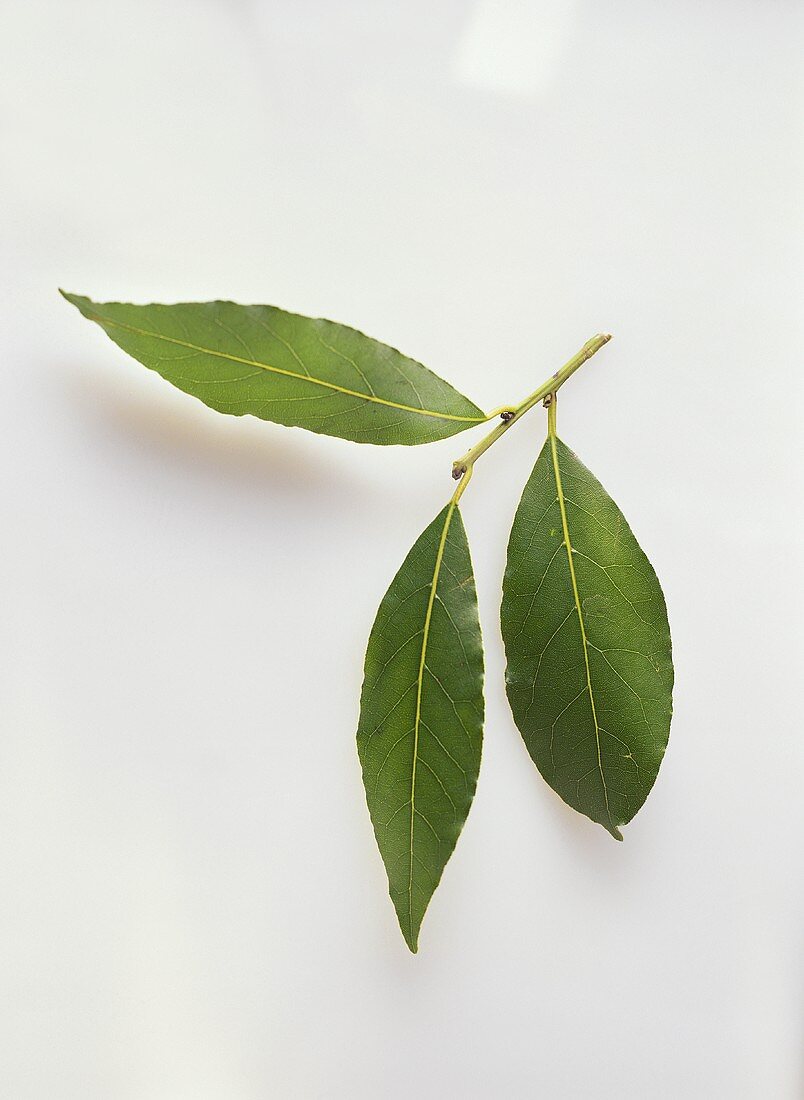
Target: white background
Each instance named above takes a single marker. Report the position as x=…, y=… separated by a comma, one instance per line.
x=191, y=902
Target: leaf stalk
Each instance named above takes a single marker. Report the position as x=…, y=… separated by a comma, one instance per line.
x=462, y=467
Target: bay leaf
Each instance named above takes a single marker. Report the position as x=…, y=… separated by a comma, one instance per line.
x=299, y=371
x=421, y=715
x=589, y=668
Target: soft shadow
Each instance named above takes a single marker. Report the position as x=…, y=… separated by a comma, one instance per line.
x=243, y=450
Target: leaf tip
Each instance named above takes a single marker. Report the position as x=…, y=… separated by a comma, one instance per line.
x=411, y=937
x=614, y=831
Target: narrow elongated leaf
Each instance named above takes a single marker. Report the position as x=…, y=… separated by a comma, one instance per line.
x=590, y=674
x=294, y=370
x=421, y=715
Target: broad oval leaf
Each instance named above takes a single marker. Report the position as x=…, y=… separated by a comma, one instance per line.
x=294, y=370
x=421, y=715
x=589, y=674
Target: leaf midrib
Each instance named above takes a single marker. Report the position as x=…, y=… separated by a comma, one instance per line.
x=419, y=691
x=615, y=832
x=104, y=321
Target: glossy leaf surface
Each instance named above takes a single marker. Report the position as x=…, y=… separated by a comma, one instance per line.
x=299, y=371
x=421, y=715
x=589, y=674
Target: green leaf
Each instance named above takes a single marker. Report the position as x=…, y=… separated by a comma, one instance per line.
x=421, y=715
x=590, y=673
x=294, y=370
